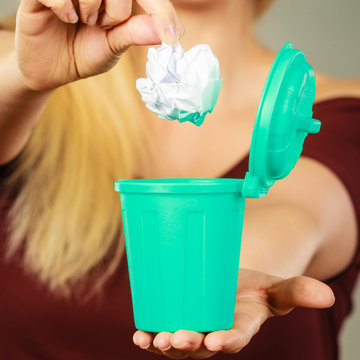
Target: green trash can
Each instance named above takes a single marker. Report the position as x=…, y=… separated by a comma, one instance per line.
x=183, y=236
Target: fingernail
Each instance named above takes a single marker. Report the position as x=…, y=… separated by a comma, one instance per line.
x=182, y=32
x=168, y=348
x=218, y=348
x=145, y=347
x=72, y=17
x=183, y=345
x=171, y=34
x=92, y=18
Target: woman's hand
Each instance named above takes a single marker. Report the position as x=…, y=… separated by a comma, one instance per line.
x=55, y=44
x=259, y=297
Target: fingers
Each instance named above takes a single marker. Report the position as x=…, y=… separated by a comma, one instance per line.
x=184, y=340
x=162, y=14
x=227, y=341
x=249, y=316
x=164, y=20
x=178, y=345
x=89, y=11
x=230, y=341
x=160, y=345
x=162, y=341
x=182, y=343
x=138, y=30
x=115, y=12
x=299, y=291
x=190, y=342
x=63, y=9
x=166, y=23
x=142, y=339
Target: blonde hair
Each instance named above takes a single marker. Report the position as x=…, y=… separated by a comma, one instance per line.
x=66, y=218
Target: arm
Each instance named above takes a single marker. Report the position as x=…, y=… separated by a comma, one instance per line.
x=322, y=237
x=45, y=53
x=297, y=230
x=20, y=107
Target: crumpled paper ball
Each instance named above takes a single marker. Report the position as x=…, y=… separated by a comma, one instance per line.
x=180, y=85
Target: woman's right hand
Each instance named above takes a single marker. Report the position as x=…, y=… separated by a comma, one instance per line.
x=54, y=46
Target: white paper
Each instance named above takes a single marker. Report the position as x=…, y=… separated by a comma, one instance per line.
x=180, y=85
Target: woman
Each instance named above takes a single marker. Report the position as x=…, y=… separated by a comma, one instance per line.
x=63, y=146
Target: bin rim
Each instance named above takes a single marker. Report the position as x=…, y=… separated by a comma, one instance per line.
x=180, y=185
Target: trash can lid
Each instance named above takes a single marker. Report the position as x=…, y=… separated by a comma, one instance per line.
x=283, y=120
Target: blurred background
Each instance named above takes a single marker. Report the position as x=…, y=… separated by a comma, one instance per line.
x=328, y=32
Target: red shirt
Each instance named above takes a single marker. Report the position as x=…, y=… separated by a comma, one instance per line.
x=36, y=325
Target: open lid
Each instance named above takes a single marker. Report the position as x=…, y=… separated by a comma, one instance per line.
x=283, y=120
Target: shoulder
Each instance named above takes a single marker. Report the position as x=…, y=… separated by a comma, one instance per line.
x=330, y=88
x=337, y=106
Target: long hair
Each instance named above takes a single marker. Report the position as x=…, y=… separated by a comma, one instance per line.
x=66, y=217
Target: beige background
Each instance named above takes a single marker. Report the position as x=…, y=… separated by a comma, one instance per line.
x=328, y=32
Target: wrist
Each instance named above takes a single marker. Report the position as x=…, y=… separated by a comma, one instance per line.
x=19, y=103
x=18, y=84
x=20, y=108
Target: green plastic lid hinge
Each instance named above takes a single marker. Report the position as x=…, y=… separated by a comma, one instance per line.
x=252, y=188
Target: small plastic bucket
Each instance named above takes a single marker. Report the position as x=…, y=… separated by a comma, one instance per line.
x=183, y=240
x=183, y=235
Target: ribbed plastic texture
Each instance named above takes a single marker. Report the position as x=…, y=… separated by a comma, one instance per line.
x=183, y=256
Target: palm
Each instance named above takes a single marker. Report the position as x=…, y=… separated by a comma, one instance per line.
x=259, y=296
x=92, y=51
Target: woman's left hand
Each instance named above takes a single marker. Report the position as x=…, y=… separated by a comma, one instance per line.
x=259, y=297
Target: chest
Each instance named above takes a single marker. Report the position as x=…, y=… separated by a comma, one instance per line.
x=185, y=150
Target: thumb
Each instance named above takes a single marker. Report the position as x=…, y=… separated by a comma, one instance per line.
x=300, y=291
x=137, y=30
x=165, y=19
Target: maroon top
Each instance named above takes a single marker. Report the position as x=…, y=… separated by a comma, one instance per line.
x=36, y=325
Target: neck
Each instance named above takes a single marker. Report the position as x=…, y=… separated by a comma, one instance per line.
x=227, y=26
